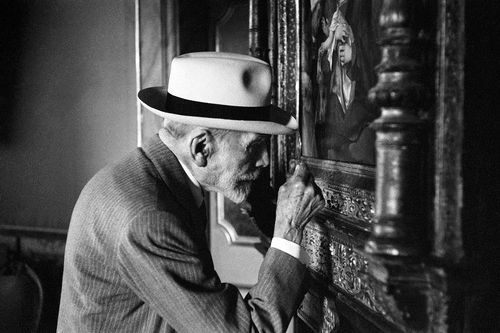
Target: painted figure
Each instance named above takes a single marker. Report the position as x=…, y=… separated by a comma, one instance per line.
x=346, y=57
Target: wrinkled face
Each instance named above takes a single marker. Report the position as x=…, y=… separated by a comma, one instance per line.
x=238, y=161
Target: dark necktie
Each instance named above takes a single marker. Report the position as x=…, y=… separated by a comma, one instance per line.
x=203, y=210
x=203, y=219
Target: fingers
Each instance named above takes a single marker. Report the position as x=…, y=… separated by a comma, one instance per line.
x=307, y=199
x=291, y=168
x=319, y=200
x=303, y=181
x=314, y=197
x=300, y=172
x=299, y=199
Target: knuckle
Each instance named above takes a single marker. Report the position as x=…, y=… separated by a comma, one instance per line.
x=298, y=186
x=283, y=189
x=309, y=191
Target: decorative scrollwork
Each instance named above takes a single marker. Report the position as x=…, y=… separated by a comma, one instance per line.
x=316, y=245
x=338, y=263
x=349, y=202
x=288, y=48
x=330, y=318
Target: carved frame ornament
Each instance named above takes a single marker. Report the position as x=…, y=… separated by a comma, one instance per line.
x=384, y=222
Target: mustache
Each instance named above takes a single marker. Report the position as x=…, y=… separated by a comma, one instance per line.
x=250, y=177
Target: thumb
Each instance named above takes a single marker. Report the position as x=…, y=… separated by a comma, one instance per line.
x=292, y=165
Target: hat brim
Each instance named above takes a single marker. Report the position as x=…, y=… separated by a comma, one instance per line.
x=276, y=121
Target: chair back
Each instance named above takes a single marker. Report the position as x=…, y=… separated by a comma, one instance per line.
x=21, y=298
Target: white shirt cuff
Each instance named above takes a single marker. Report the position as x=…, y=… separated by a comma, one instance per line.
x=291, y=248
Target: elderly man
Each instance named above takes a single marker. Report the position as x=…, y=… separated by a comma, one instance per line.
x=137, y=259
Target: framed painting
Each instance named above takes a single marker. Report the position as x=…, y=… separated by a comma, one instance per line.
x=339, y=51
x=328, y=54
x=325, y=54
x=369, y=247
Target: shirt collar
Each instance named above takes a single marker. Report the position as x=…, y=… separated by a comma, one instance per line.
x=194, y=185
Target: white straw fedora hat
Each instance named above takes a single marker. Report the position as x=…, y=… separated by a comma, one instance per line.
x=219, y=90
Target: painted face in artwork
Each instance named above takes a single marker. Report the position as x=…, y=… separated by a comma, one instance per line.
x=238, y=160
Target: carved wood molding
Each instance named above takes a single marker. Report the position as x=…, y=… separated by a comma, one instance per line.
x=346, y=202
x=35, y=243
x=449, y=131
x=259, y=29
x=338, y=262
x=236, y=224
x=319, y=311
x=286, y=70
x=348, y=190
x=372, y=245
x=410, y=296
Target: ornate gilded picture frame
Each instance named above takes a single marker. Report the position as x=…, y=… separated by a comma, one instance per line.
x=307, y=64
x=344, y=168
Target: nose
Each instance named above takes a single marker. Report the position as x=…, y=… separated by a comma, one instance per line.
x=263, y=160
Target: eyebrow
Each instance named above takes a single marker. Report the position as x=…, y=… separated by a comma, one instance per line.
x=258, y=140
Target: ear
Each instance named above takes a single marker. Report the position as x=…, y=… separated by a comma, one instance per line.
x=201, y=147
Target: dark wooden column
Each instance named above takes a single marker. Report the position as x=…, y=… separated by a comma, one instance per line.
x=411, y=292
x=401, y=223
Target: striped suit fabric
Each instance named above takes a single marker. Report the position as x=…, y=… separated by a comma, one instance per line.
x=137, y=259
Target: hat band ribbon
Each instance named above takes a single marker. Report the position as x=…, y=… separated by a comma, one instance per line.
x=186, y=107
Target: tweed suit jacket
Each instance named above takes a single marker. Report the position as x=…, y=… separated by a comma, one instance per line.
x=137, y=259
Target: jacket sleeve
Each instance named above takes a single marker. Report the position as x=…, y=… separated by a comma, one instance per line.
x=167, y=263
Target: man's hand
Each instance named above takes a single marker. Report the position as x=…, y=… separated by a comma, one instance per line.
x=299, y=199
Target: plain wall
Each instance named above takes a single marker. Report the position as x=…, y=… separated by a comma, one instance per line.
x=67, y=102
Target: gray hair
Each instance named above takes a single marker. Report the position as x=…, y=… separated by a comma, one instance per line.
x=179, y=130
